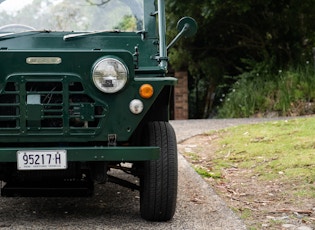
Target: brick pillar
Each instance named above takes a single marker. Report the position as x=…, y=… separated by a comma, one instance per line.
x=181, y=96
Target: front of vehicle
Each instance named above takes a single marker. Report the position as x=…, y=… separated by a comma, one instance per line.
x=81, y=83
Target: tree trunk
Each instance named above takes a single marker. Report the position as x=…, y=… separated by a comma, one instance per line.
x=208, y=102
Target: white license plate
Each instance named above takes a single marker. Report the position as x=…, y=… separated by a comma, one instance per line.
x=42, y=160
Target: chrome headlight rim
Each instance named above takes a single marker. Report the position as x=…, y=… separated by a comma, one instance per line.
x=110, y=74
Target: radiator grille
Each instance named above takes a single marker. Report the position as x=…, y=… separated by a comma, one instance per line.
x=52, y=105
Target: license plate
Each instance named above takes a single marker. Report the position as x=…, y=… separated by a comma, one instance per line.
x=42, y=160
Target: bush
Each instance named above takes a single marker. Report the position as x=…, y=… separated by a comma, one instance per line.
x=286, y=93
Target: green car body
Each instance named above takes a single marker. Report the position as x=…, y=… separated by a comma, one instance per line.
x=83, y=90
x=78, y=101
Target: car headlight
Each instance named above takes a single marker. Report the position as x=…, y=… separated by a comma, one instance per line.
x=110, y=75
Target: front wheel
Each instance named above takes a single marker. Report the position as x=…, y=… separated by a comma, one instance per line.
x=158, y=192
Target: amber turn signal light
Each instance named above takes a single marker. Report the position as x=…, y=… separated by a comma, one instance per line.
x=146, y=91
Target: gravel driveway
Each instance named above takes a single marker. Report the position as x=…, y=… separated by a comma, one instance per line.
x=114, y=207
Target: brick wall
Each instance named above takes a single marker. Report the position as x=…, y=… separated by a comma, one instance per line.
x=181, y=96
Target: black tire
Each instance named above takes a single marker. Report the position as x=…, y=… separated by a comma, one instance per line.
x=159, y=180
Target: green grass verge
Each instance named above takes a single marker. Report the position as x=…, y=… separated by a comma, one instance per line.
x=278, y=152
x=284, y=149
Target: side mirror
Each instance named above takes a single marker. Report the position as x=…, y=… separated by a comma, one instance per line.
x=187, y=27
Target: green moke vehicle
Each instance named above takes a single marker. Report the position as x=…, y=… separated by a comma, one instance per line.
x=83, y=90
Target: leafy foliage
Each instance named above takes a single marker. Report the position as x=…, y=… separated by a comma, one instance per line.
x=242, y=36
x=287, y=93
x=129, y=23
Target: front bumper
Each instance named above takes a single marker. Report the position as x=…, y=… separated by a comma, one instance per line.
x=83, y=154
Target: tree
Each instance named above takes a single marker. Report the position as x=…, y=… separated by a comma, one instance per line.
x=129, y=23
x=239, y=36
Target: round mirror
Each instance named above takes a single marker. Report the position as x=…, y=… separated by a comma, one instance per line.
x=189, y=25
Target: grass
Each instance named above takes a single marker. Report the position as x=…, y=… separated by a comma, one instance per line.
x=207, y=173
x=280, y=148
x=242, y=162
x=287, y=93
